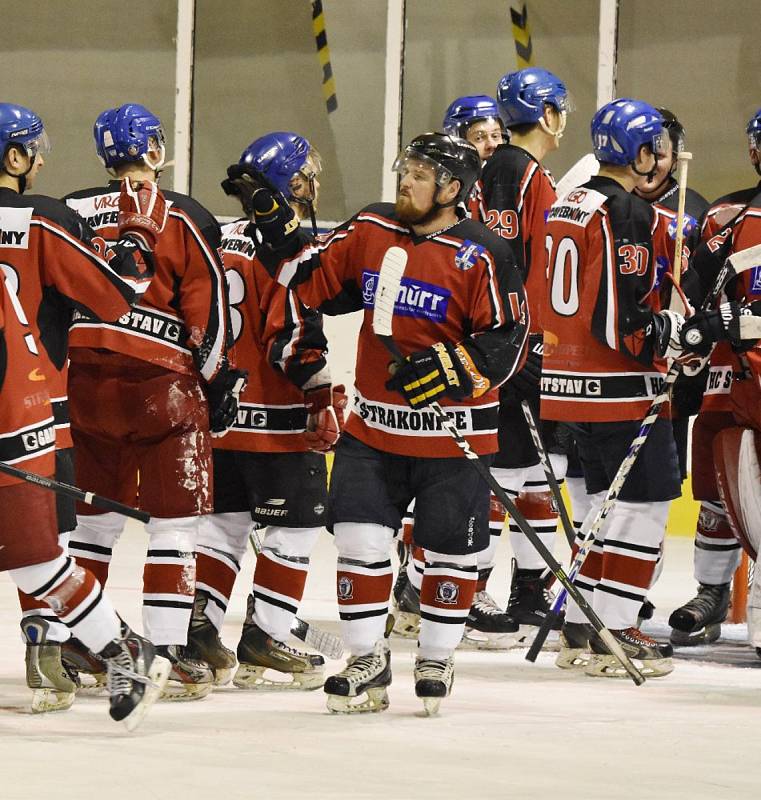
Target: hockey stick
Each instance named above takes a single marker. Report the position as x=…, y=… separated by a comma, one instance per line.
x=77, y=494
x=544, y=460
x=683, y=161
x=584, y=169
x=736, y=264
x=326, y=643
x=389, y=281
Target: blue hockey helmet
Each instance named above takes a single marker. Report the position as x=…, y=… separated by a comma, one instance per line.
x=522, y=95
x=127, y=134
x=281, y=156
x=620, y=128
x=754, y=130
x=467, y=110
x=21, y=127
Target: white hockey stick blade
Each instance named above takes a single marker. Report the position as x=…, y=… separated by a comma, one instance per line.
x=389, y=279
x=584, y=169
x=744, y=260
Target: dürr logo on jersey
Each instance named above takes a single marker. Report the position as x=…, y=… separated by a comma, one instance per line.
x=468, y=254
x=415, y=298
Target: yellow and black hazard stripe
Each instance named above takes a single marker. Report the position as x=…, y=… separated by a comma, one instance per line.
x=323, y=54
x=522, y=37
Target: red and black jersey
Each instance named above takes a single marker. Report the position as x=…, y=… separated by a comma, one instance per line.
x=181, y=321
x=27, y=426
x=475, y=204
x=599, y=360
x=518, y=193
x=281, y=344
x=460, y=285
x=51, y=265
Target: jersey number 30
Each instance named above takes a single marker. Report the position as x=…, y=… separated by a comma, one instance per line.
x=563, y=275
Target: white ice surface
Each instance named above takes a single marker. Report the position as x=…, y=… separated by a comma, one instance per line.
x=510, y=729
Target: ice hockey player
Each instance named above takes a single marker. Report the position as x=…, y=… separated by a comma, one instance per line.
x=147, y=391
x=717, y=551
x=48, y=267
x=461, y=319
x=607, y=343
x=518, y=192
x=271, y=466
x=476, y=119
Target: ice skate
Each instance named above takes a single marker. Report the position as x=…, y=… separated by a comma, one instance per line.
x=52, y=682
x=265, y=663
x=433, y=682
x=646, y=611
x=205, y=644
x=136, y=676
x=89, y=667
x=529, y=603
x=365, y=679
x=652, y=659
x=189, y=679
x=699, y=620
x=406, y=611
x=574, y=645
x=488, y=627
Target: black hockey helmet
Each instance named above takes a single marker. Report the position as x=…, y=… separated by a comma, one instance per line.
x=674, y=128
x=451, y=156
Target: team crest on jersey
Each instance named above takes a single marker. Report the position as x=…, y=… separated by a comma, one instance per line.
x=345, y=588
x=689, y=224
x=415, y=298
x=755, y=280
x=447, y=592
x=468, y=254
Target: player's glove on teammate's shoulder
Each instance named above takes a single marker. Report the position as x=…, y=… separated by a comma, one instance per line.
x=142, y=213
x=224, y=397
x=443, y=369
x=739, y=324
x=325, y=409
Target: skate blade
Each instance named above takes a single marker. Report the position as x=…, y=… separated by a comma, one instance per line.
x=250, y=677
x=706, y=635
x=478, y=640
x=45, y=701
x=606, y=666
x=573, y=658
x=222, y=675
x=92, y=683
x=527, y=633
x=158, y=675
x=369, y=702
x=406, y=625
x=431, y=705
x=179, y=692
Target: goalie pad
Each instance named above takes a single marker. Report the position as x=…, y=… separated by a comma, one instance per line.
x=738, y=474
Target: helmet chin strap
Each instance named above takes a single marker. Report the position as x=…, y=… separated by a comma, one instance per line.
x=558, y=134
x=650, y=174
x=22, y=177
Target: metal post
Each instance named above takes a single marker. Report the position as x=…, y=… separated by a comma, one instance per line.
x=607, y=52
x=183, y=102
x=392, y=132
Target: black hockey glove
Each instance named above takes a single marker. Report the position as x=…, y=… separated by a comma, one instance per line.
x=526, y=381
x=224, y=395
x=427, y=375
x=732, y=322
x=266, y=207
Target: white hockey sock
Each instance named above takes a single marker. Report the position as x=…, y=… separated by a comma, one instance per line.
x=75, y=595
x=415, y=567
x=92, y=542
x=222, y=541
x=449, y=583
x=169, y=579
x=363, y=583
x=280, y=577
x=592, y=568
x=32, y=607
x=717, y=552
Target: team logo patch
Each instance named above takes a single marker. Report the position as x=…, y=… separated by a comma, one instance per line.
x=319, y=509
x=468, y=254
x=661, y=267
x=755, y=280
x=688, y=226
x=447, y=592
x=415, y=299
x=345, y=588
